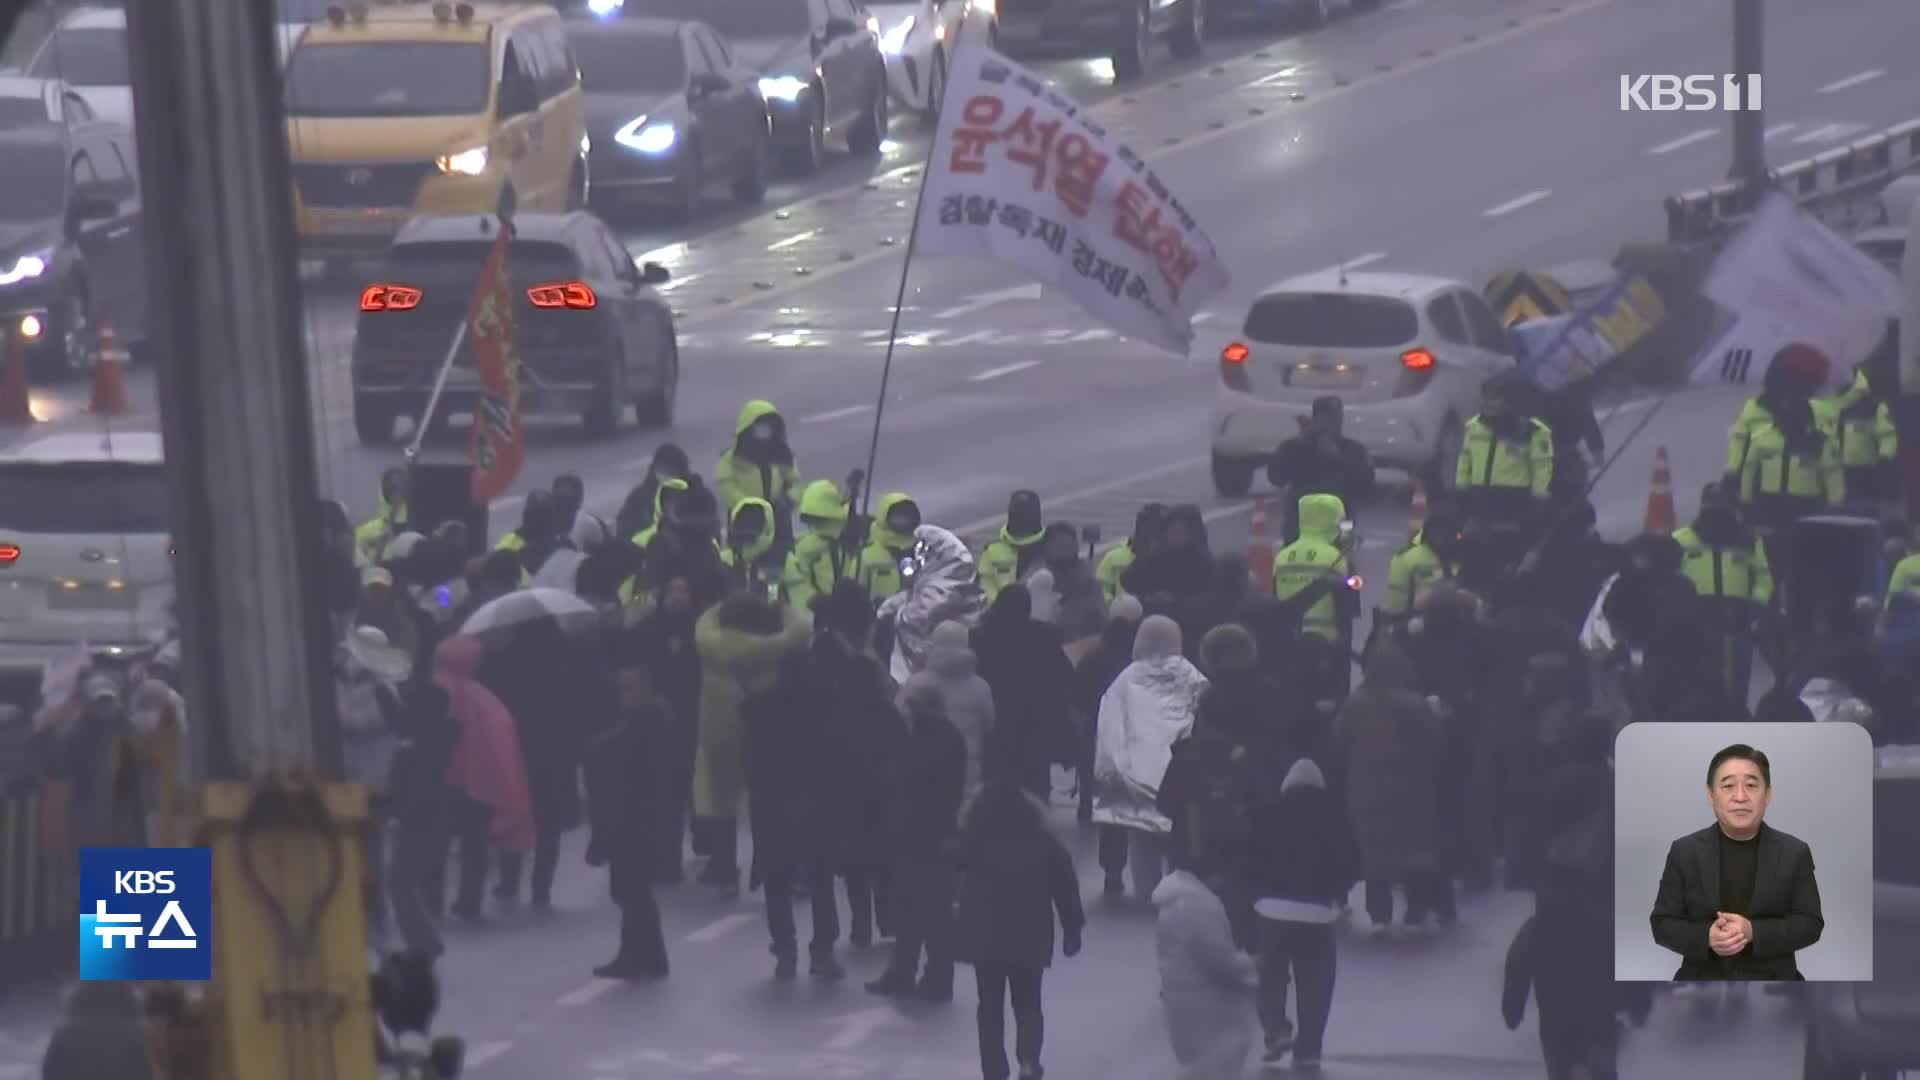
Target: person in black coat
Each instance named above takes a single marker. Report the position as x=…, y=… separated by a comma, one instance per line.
x=922, y=790
x=428, y=816
x=630, y=798
x=636, y=512
x=663, y=644
x=1320, y=460
x=1176, y=578
x=1301, y=862
x=1025, y=663
x=1016, y=877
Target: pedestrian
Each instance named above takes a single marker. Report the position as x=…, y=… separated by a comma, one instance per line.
x=630, y=793
x=1112, y=651
x=1025, y=662
x=923, y=787
x=424, y=815
x=663, y=642
x=1082, y=609
x=1176, y=577
x=1016, y=878
x=1303, y=863
x=953, y=671
x=1394, y=750
x=1206, y=985
x=641, y=508
x=1146, y=710
x=1320, y=460
x=942, y=585
x=486, y=770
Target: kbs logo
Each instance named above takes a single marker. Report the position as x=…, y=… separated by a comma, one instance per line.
x=145, y=914
x=1689, y=93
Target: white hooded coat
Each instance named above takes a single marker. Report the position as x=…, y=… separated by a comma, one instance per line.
x=1206, y=984
x=1146, y=710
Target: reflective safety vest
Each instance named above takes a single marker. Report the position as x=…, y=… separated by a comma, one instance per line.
x=1753, y=416
x=1729, y=573
x=1488, y=462
x=1771, y=472
x=1413, y=569
x=1864, y=427
x=1300, y=564
x=1905, y=580
x=1114, y=566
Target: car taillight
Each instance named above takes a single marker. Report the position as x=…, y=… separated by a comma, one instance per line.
x=9, y=554
x=389, y=298
x=1417, y=360
x=1233, y=366
x=563, y=294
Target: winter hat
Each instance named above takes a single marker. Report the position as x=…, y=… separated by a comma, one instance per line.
x=1228, y=649
x=1126, y=608
x=951, y=635
x=1304, y=773
x=1157, y=638
x=1806, y=365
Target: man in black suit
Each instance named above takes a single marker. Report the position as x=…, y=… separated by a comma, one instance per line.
x=1738, y=899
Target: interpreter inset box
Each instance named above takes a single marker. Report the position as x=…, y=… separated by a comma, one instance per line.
x=1743, y=852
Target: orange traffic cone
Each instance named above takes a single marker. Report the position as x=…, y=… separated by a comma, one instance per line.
x=1661, y=517
x=109, y=380
x=1417, y=511
x=1259, y=546
x=15, y=405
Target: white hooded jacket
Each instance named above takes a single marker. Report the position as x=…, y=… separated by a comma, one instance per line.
x=1146, y=710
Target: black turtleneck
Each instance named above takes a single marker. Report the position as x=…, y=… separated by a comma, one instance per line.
x=1739, y=866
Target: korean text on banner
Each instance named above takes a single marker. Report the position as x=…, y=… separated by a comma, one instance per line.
x=498, y=445
x=1022, y=175
x=1568, y=348
x=1790, y=274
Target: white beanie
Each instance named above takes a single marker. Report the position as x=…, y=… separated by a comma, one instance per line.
x=1126, y=606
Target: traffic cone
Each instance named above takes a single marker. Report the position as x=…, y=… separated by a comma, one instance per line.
x=1661, y=517
x=1417, y=511
x=109, y=378
x=1259, y=545
x=15, y=405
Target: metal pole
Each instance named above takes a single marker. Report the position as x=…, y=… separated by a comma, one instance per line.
x=439, y=387
x=1749, y=122
x=224, y=327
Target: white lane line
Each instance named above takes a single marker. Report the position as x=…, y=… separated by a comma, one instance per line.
x=1287, y=72
x=829, y=416
x=1852, y=81
x=1519, y=203
x=573, y=999
x=974, y=337
x=1354, y=263
x=796, y=238
x=1082, y=495
x=1688, y=139
x=486, y=1052
x=1829, y=133
x=1002, y=370
x=1778, y=130
x=720, y=927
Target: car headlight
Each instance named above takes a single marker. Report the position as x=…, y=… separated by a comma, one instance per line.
x=26, y=267
x=647, y=138
x=783, y=87
x=989, y=8
x=466, y=163
x=894, y=41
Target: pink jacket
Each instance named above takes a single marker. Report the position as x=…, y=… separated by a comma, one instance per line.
x=486, y=765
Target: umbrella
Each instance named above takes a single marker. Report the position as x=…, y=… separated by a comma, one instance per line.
x=559, y=571
x=525, y=606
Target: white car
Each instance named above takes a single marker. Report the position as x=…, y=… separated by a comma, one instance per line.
x=917, y=39
x=84, y=539
x=1406, y=354
x=26, y=101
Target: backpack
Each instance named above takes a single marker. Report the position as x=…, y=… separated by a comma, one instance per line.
x=1216, y=820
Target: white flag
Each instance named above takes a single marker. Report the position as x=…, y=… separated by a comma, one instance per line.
x=1022, y=175
x=1788, y=279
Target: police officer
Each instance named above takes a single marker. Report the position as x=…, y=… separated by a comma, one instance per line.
x=1017, y=551
x=1121, y=557
x=1868, y=444
x=748, y=552
x=1319, y=557
x=819, y=559
x=760, y=464
x=1790, y=470
x=1504, y=475
x=370, y=536
x=1431, y=557
x=1727, y=566
x=889, y=543
x=1797, y=370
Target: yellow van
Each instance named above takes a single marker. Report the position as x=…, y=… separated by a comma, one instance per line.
x=407, y=109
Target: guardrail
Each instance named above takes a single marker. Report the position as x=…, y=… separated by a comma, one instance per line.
x=39, y=885
x=1835, y=178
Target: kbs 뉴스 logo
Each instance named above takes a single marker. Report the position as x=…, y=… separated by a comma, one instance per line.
x=146, y=914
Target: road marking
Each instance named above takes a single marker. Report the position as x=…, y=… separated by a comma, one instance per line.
x=974, y=528
x=1004, y=369
x=573, y=999
x=1829, y=133
x=858, y=1027
x=827, y=417
x=973, y=337
x=1354, y=263
x=796, y=238
x=1778, y=130
x=1688, y=139
x=720, y=927
x=1212, y=134
x=982, y=301
x=1852, y=81
x=1287, y=72
x=486, y=1052
x=1519, y=203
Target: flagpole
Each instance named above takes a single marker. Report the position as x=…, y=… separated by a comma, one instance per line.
x=439, y=387
x=906, y=267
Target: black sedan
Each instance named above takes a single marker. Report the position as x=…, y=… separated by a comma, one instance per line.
x=70, y=243
x=669, y=115
x=592, y=336
x=818, y=62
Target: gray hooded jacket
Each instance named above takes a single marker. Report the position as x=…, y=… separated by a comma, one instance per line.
x=950, y=673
